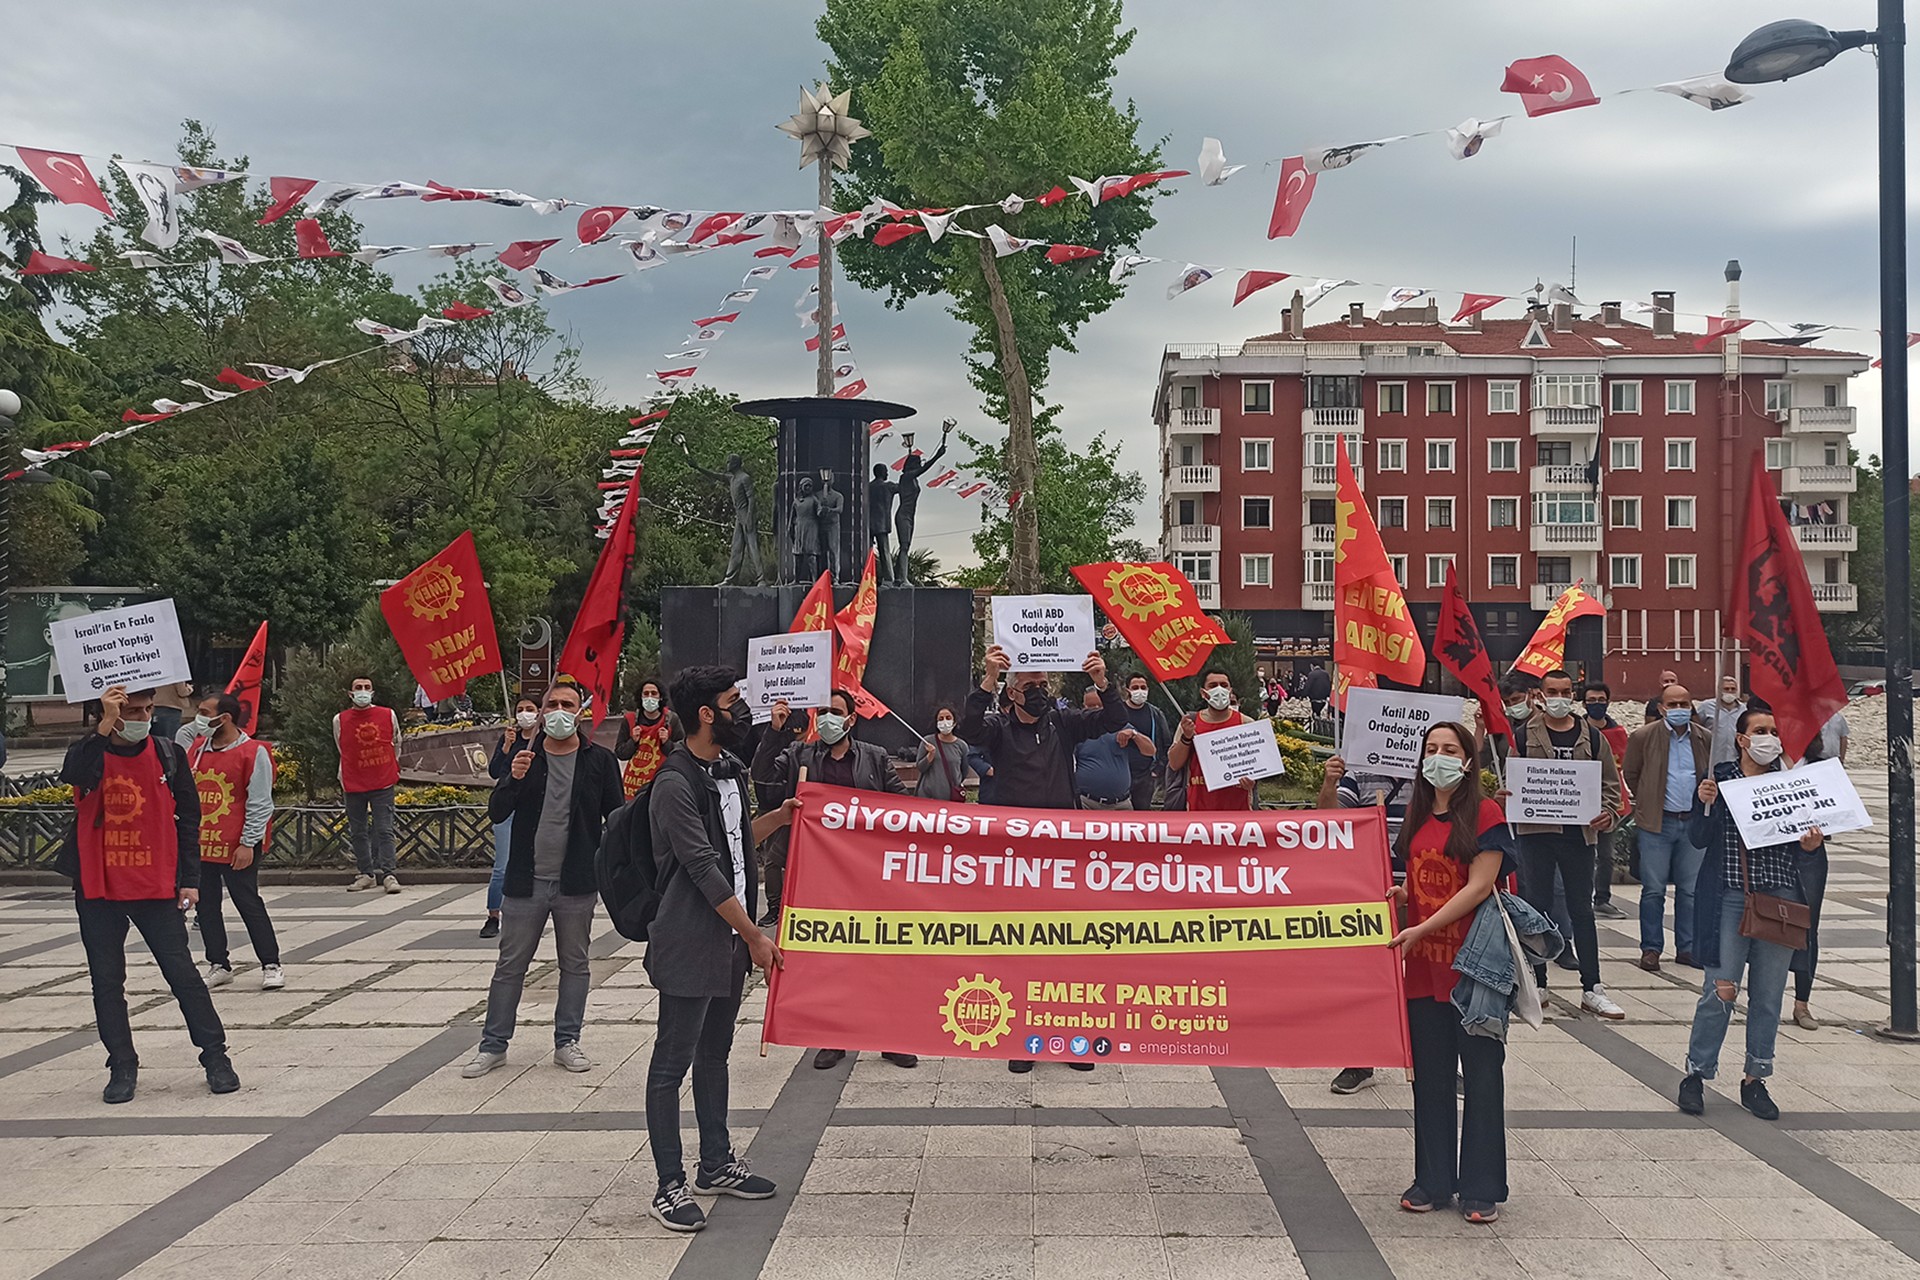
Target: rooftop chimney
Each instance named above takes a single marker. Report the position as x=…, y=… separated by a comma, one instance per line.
x=1356, y=314
x=1730, y=346
x=1663, y=313
x=1610, y=315
x=1563, y=317
x=1299, y=313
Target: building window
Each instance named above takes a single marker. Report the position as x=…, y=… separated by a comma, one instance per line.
x=1256, y=397
x=1834, y=454
x=1503, y=455
x=1256, y=571
x=1564, y=508
x=1552, y=453
x=1331, y=391
x=1680, y=454
x=1830, y=395
x=1779, y=397
x=1319, y=566
x=1393, y=397
x=1399, y=566
x=1779, y=454
x=1623, y=571
x=1623, y=397
x=1555, y=571
x=1189, y=395
x=1623, y=455
x=1256, y=513
x=1503, y=571
x=1321, y=510
x=1390, y=455
x=1198, y=567
x=1503, y=513
x=1623, y=513
x=1437, y=570
x=1679, y=571
x=1439, y=397
x=1393, y=513
x=1679, y=513
x=1566, y=390
x=1680, y=397
x=1256, y=455
x=1323, y=449
x=1189, y=456
x=1189, y=511
x=1503, y=397
x=1439, y=513
x=1439, y=455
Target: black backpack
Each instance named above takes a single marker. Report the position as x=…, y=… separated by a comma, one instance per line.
x=630, y=884
x=66, y=859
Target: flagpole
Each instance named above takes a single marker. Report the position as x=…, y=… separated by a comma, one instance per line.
x=506, y=698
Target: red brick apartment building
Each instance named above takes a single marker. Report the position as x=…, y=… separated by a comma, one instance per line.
x=1531, y=452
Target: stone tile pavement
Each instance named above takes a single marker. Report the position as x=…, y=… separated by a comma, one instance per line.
x=356, y=1150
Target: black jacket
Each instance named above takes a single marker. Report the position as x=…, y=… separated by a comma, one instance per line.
x=1033, y=763
x=86, y=765
x=776, y=773
x=596, y=793
x=691, y=950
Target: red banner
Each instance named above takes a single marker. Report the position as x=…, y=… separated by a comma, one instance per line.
x=443, y=621
x=1060, y=935
x=245, y=684
x=1157, y=610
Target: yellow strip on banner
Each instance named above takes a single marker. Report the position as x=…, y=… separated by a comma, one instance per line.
x=1342, y=924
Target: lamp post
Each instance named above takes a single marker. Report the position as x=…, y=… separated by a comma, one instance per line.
x=9, y=410
x=1781, y=51
x=826, y=133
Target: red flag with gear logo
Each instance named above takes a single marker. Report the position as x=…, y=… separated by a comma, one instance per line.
x=1158, y=612
x=1372, y=630
x=443, y=621
x=1548, y=648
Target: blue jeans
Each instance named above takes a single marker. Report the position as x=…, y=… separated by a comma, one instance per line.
x=1667, y=856
x=502, y=846
x=1764, y=965
x=522, y=922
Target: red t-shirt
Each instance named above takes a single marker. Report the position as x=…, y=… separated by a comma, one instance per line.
x=1432, y=878
x=1198, y=797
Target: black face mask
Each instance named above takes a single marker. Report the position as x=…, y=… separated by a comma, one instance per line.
x=1036, y=699
x=731, y=725
x=1598, y=710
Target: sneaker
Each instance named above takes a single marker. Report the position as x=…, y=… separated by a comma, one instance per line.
x=1415, y=1200
x=674, y=1209
x=769, y=920
x=1019, y=1066
x=827, y=1059
x=120, y=1084
x=732, y=1179
x=1079, y=1066
x=1609, y=910
x=391, y=884
x=1480, y=1211
x=1567, y=960
x=272, y=977
x=1754, y=1097
x=1353, y=1080
x=221, y=1077
x=1598, y=1003
x=482, y=1063
x=361, y=882
x=907, y=1060
x=1650, y=961
x=218, y=975
x=1693, y=1095
x=571, y=1056
x=491, y=929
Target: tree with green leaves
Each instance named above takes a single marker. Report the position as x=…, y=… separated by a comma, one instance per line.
x=1083, y=497
x=969, y=103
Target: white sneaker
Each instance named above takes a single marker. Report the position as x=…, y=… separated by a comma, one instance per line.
x=218, y=976
x=1601, y=1005
x=482, y=1063
x=361, y=882
x=392, y=884
x=571, y=1056
x=272, y=977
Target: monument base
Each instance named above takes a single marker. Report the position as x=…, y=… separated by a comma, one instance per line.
x=922, y=654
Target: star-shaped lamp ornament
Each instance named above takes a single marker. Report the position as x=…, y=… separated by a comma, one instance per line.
x=823, y=127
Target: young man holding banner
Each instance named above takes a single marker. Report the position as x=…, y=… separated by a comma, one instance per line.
x=367, y=736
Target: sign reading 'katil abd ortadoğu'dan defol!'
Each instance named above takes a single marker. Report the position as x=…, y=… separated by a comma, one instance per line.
x=1044, y=633
x=795, y=668
x=137, y=647
x=1383, y=729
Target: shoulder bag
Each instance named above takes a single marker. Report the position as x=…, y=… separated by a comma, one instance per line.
x=1767, y=918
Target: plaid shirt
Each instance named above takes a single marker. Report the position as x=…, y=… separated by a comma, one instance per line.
x=1771, y=867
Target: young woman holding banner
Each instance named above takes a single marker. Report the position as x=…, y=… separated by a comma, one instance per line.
x=1456, y=845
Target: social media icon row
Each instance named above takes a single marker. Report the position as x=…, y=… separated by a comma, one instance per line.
x=1079, y=1046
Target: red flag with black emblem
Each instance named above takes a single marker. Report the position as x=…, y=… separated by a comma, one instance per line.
x=245, y=684
x=592, y=655
x=1457, y=644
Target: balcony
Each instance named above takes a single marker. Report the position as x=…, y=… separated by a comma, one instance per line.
x=1193, y=480
x=1569, y=476
x=1821, y=420
x=1320, y=535
x=1351, y=421
x=1827, y=537
x=1836, y=597
x=1193, y=537
x=1316, y=595
x=1572, y=420
x=1565, y=537
x=1194, y=422
x=1207, y=594
x=1823, y=479
x=1315, y=479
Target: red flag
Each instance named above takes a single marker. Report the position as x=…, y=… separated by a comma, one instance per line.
x=973, y=488
x=45, y=264
x=66, y=176
x=461, y=311
x=839, y=332
x=1070, y=253
x=234, y=378
x=853, y=390
x=595, y=223
x=816, y=607
x=832, y=227
x=1155, y=608
x=1548, y=84
x=443, y=621
x=1291, y=199
x=441, y=191
x=713, y=223
x=655, y=416
x=1253, y=282
x=1774, y=612
x=803, y=264
x=592, y=655
x=132, y=416
x=1548, y=647
x=728, y=318
x=737, y=237
x=245, y=684
x=670, y=375
x=895, y=232
x=522, y=254
x=1457, y=644
x=311, y=239
x=865, y=705
x=1371, y=628
x=854, y=627
x=1472, y=304
x=945, y=478
x=1346, y=679
x=286, y=193
x=1127, y=186
x=1052, y=198
x=1718, y=327
x=773, y=251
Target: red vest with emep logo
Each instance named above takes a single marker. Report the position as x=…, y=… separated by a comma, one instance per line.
x=221, y=777
x=368, y=761
x=649, y=749
x=128, y=843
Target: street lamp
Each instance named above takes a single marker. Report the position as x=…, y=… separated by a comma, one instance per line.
x=1781, y=51
x=9, y=410
x=826, y=133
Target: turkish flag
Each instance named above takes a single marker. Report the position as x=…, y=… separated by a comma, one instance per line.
x=707, y=321
x=1070, y=253
x=1718, y=327
x=832, y=227
x=669, y=375
x=234, y=378
x=1457, y=644
x=1774, y=612
x=592, y=655
x=134, y=416
x=596, y=223
x=46, y=264
x=1127, y=186
x=897, y=231
x=1052, y=198
x=441, y=191
x=655, y=416
x=839, y=332
x=443, y=621
x=1371, y=628
x=311, y=239
x=522, y=254
x=1472, y=304
x=245, y=684
x=854, y=627
x=1253, y=282
x=1155, y=608
x=773, y=251
x=66, y=176
x=1291, y=199
x=853, y=390
x=1548, y=84
x=737, y=237
x=286, y=193
x=803, y=264
x=713, y=223
x=461, y=311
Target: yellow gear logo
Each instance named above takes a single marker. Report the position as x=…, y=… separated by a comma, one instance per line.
x=120, y=799
x=977, y=1012
x=434, y=592
x=1141, y=592
x=216, y=796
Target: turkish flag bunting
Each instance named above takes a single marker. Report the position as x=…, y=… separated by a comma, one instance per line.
x=66, y=176
x=1052, y=198
x=311, y=239
x=1291, y=199
x=245, y=684
x=853, y=390
x=286, y=193
x=854, y=627
x=816, y=609
x=839, y=332
x=596, y=223
x=713, y=224
x=234, y=378
x=897, y=231
x=1774, y=612
x=1718, y=327
x=1127, y=186
x=945, y=478
x=972, y=489
x=1548, y=84
x=1253, y=282
x=441, y=191
x=46, y=264
x=1472, y=304
x=1548, y=647
x=644, y=418
x=522, y=254
x=443, y=621
x=1371, y=628
x=832, y=227
x=461, y=311
x=737, y=237
x=806, y=263
x=1155, y=608
x=669, y=375
x=133, y=416
x=707, y=321
x=773, y=251
x=592, y=655
x=1457, y=644
x=1070, y=253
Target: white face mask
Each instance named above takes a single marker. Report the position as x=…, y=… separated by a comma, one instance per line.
x=1219, y=697
x=832, y=727
x=1517, y=710
x=363, y=697
x=1764, y=748
x=944, y=726
x=1558, y=707
x=1138, y=697
x=1729, y=698
x=1443, y=772
x=561, y=724
x=526, y=720
x=650, y=705
x=135, y=730
x=202, y=726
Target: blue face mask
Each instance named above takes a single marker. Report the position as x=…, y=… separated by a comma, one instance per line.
x=1679, y=717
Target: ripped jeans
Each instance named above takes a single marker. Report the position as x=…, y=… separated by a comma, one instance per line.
x=1763, y=966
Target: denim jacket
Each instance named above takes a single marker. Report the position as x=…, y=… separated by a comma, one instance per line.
x=1488, y=979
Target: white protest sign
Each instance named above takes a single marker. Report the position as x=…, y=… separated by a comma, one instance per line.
x=1384, y=729
x=138, y=646
x=1227, y=756
x=1774, y=808
x=1044, y=633
x=1566, y=792
x=796, y=668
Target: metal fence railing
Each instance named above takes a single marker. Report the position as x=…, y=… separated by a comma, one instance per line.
x=303, y=836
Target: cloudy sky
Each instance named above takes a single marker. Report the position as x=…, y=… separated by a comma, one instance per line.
x=674, y=105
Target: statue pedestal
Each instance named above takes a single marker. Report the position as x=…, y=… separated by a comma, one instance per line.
x=922, y=655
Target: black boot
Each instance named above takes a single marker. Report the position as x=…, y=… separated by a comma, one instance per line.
x=221, y=1077
x=120, y=1083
